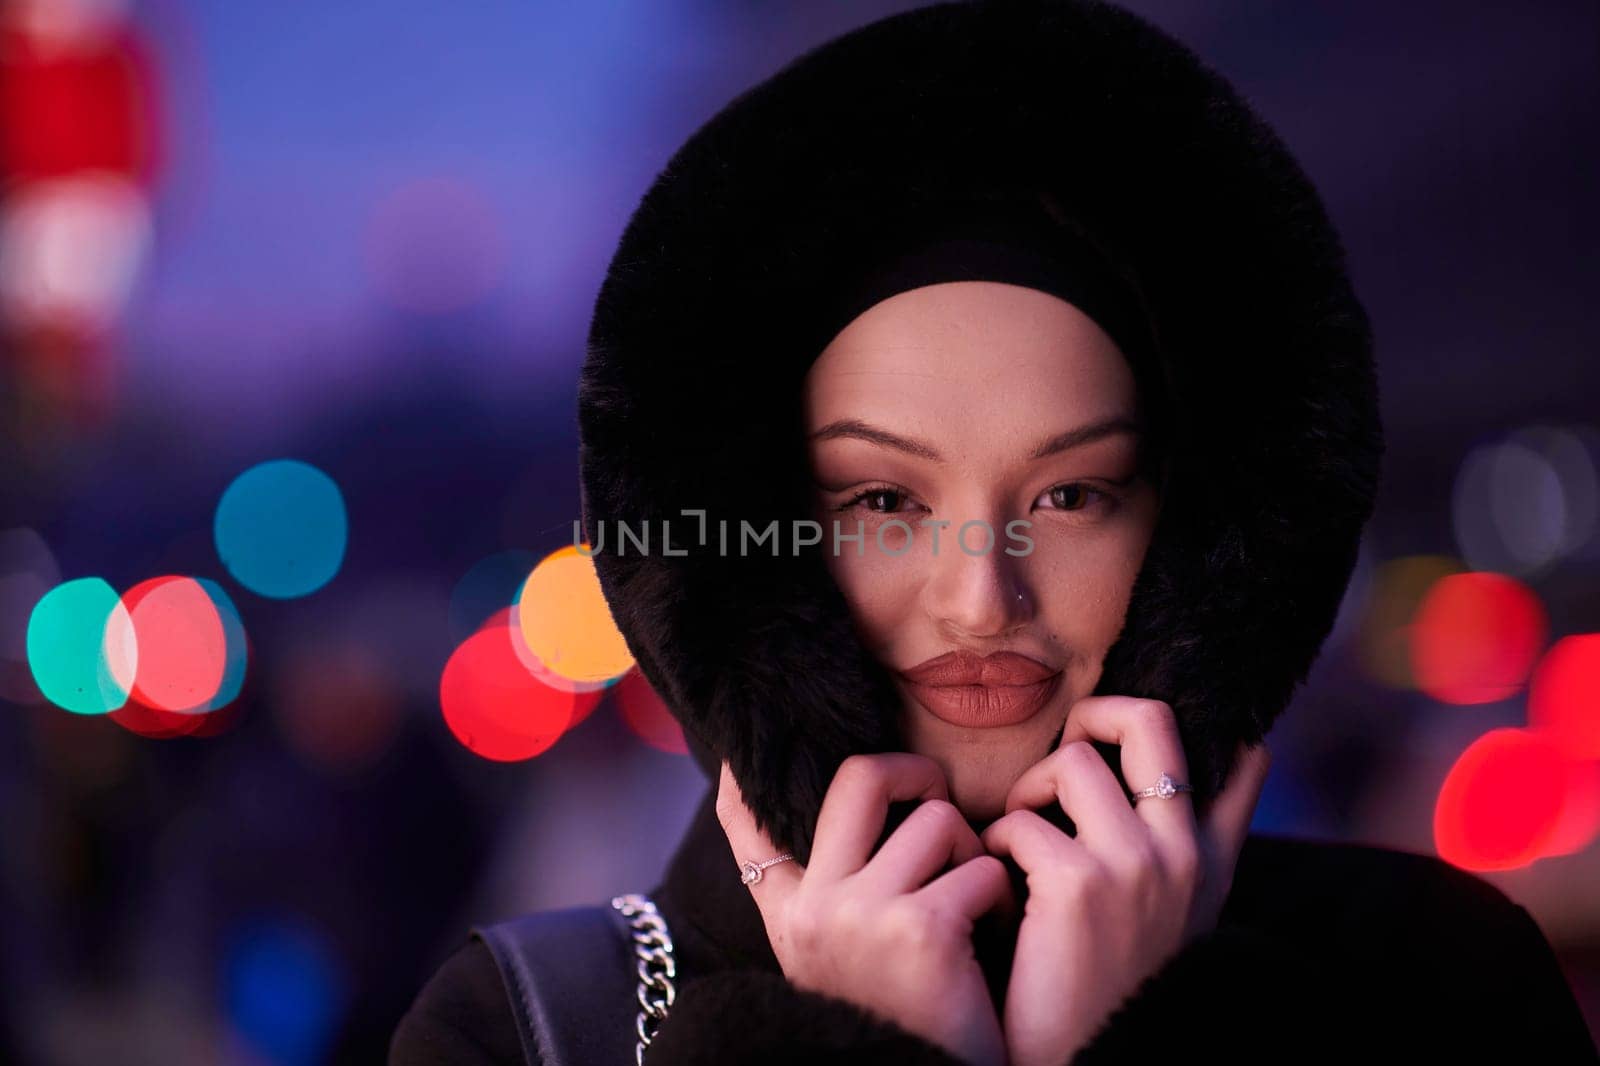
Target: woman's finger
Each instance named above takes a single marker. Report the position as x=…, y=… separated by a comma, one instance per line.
x=750, y=844
x=1033, y=843
x=856, y=807
x=973, y=888
x=1147, y=732
x=934, y=835
x=1228, y=817
x=1076, y=776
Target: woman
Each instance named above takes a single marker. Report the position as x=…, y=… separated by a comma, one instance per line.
x=1027, y=276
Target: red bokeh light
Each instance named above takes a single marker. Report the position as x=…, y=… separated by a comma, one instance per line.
x=494, y=706
x=1502, y=801
x=1475, y=637
x=586, y=695
x=67, y=110
x=156, y=724
x=1564, y=699
x=647, y=715
x=1579, y=823
x=182, y=648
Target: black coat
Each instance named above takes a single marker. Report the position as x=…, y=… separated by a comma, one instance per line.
x=1322, y=949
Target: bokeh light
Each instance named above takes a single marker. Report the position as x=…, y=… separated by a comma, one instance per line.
x=434, y=245
x=586, y=694
x=1475, y=638
x=192, y=657
x=646, y=714
x=337, y=704
x=1564, y=697
x=566, y=621
x=81, y=648
x=70, y=27
x=509, y=617
x=1522, y=504
x=70, y=249
x=494, y=706
x=281, y=528
x=489, y=587
x=154, y=724
x=1571, y=452
x=236, y=643
x=285, y=990
x=1579, y=821
x=1501, y=801
x=183, y=652
x=1398, y=587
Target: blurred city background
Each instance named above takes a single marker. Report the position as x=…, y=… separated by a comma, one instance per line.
x=300, y=675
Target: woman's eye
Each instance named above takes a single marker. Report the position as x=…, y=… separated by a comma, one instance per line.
x=1076, y=496
x=873, y=500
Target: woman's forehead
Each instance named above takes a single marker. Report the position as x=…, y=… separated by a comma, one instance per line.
x=974, y=354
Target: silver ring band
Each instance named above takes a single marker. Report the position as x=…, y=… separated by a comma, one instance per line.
x=750, y=872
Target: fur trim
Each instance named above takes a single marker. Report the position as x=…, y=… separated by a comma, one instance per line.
x=706, y=323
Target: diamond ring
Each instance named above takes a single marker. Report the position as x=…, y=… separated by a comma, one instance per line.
x=1164, y=788
x=751, y=872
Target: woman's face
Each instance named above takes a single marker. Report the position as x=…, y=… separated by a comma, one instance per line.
x=956, y=404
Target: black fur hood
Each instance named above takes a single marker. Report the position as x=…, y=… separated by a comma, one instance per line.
x=689, y=400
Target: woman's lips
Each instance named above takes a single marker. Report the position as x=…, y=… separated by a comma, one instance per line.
x=966, y=690
x=985, y=706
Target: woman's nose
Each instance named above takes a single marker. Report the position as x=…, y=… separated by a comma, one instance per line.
x=977, y=589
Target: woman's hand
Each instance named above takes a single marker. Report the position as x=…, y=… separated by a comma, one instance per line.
x=873, y=929
x=1111, y=906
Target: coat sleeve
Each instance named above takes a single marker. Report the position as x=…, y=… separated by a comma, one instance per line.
x=740, y=1016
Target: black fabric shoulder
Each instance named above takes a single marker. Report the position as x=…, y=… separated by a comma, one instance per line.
x=461, y=1016
x=1234, y=994
x=743, y=1016
x=1354, y=949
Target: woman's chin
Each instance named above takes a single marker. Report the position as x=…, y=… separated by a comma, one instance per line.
x=979, y=782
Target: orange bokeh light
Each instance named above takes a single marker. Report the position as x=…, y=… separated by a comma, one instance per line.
x=566, y=622
x=586, y=694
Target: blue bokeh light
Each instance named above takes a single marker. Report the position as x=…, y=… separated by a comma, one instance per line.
x=281, y=529
x=284, y=991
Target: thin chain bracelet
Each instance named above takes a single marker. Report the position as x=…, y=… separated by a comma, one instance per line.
x=657, y=968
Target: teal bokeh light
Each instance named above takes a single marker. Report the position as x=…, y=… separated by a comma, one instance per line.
x=68, y=645
x=281, y=529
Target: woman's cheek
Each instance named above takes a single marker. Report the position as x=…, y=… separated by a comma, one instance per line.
x=1087, y=582
x=879, y=585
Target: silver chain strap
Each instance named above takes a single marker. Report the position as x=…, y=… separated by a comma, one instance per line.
x=652, y=944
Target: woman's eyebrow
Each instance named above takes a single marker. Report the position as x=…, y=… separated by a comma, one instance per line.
x=1072, y=438
x=1094, y=431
